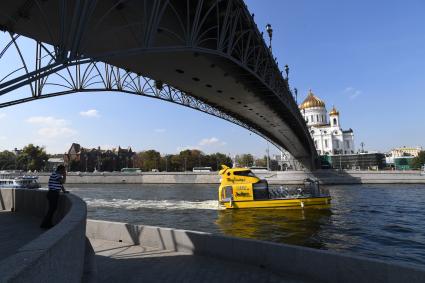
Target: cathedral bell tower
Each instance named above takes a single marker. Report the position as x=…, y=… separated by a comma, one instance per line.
x=334, y=117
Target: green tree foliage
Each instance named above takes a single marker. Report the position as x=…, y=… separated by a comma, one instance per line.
x=261, y=162
x=190, y=158
x=419, y=160
x=215, y=161
x=183, y=161
x=7, y=160
x=245, y=160
x=148, y=160
x=32, y=158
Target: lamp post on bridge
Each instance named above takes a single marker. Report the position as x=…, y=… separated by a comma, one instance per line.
x=270, y=33
x=287, y=72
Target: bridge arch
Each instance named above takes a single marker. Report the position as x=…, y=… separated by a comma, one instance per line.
x=208, y=54
x=91, y=76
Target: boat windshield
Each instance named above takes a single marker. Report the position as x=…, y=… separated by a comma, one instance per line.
x=246, y=173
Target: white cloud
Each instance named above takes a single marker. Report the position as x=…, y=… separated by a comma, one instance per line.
x=47, y=121
x=92, y=113
x=211, y=142
x=204, y=143
x=159, y=131
x=3, y=138
x=2, y=115
x=56, y=132
x=51, y=127
x=352, y=92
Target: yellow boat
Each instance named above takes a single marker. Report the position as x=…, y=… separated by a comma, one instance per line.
x=241, y=188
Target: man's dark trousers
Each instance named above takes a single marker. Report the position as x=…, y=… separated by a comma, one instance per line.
x=53, y=198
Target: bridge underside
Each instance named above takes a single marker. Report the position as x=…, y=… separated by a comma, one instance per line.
x=211, y=50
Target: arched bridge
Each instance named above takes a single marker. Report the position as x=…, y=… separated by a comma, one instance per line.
x=205, y=54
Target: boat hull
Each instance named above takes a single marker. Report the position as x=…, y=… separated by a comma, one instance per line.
x=296, y=203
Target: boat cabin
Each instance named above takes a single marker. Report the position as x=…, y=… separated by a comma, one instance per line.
x=241, y=184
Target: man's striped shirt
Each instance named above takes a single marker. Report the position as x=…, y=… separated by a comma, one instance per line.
x=55, y=182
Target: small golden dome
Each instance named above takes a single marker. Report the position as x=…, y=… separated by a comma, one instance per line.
x=311, y=101
x=333, y=111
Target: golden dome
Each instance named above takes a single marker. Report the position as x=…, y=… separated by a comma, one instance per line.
x=311, y=101
x=333, y=111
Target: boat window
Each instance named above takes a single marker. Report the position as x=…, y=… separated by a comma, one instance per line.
x=244, y=173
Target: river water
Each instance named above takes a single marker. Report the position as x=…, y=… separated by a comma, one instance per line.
x=378, y=221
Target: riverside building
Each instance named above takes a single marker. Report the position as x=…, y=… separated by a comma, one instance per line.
x=325, y=129
x=406, y=151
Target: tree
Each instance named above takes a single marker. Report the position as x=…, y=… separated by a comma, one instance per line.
x=7, y=160
x=32, y=158
x=148, y=160
x=261, y=162
x=246, y=160
x=217, y=159
x=190, y=158
x=419, y=160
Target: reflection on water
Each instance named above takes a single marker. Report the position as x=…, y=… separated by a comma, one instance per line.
x=295, y=226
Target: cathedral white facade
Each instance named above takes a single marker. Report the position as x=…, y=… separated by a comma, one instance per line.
x=329, y=138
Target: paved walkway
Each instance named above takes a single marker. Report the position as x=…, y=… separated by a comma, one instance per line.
x=16, y=230
x=120, y=262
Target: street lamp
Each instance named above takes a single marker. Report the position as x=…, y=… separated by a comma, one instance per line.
x=287, y=71
x=270, y=33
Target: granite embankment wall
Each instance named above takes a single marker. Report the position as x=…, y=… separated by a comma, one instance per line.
x=275, y=177
x=58, y=254
x=311, y=264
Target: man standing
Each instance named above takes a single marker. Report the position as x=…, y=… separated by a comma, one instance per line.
x=56, y=181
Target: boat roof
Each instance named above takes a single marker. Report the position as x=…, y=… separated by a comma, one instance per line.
x=228, y=169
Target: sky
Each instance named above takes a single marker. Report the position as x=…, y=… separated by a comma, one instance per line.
x=365, y=57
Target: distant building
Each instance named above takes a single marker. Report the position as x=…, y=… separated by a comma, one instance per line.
x=400, y=162
x=78, y=158
x=328, y=136
x=363, y=161
x=406, y=151
x=54, y=162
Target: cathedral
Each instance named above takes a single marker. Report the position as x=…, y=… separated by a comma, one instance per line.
x=326, y=131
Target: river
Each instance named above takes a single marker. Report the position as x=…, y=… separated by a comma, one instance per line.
x=378, y=221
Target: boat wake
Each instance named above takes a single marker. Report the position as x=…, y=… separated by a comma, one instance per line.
x=134, y=204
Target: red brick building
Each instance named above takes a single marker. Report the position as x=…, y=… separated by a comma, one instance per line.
x=78, y=158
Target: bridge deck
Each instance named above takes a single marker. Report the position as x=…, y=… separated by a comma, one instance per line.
x=121, y=262
x=16, y=230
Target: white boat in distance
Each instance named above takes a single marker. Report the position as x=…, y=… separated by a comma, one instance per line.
x=18, y=180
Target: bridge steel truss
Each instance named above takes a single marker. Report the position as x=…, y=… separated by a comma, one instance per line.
x=88, y=45
x=49, y=79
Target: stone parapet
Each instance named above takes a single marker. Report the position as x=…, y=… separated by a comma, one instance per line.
x=57, y=255
x=311, y=264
